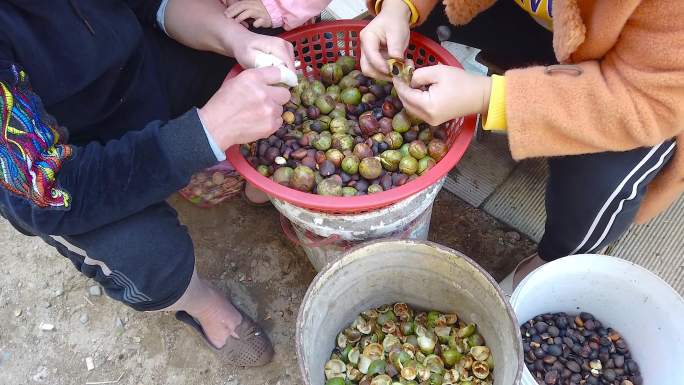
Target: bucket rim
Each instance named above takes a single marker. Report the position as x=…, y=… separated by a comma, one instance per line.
x=515, y=297
x=331, y=267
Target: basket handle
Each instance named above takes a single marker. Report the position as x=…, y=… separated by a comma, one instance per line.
x=289, y=233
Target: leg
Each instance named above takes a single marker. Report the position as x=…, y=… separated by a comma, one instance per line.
x=591, y=200
x=147, y=262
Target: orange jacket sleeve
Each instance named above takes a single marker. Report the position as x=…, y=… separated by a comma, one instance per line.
x=632, y=97
x=424, y=8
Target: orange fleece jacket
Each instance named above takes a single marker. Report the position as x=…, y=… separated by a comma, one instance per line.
x=630, y=94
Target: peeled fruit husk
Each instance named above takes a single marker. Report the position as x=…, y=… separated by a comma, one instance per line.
x=480, y=370
x=427, y=344
x=394, y=140
x=480, y=353
x=382, y=379
x=325, y=104
x=418, y=149
x=335, y=368
x=390, y=160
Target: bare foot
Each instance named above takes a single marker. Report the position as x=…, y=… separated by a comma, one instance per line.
x=526, y=268
x=255, y=195
x=218, y=317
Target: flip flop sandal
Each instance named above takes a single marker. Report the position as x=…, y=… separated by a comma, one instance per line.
x=252, y=349
x=506, y=284
x=251, y=203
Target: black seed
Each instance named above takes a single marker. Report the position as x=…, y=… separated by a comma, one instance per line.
x=553, y=331
x=541, y=326
x=555, y=350
x=573, y=366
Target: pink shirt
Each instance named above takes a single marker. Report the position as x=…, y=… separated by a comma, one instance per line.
x=290, y=14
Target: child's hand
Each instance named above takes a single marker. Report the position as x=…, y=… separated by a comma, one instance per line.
x=451, y=93
x=248, y=9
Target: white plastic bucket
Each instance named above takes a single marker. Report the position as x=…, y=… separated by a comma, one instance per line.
x=420, y=273
x=646, y=311
x=337, y=233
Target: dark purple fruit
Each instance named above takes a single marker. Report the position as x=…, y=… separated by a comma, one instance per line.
x=326, y=168
x=388, y=109
x=313, y=112
x=368, y=124
x=361, y=186
x=377, y=90
x=386, y=182
x=271, y=154
x=309, y=162
x=386, y=125
x=298, y=154
x=368, y=98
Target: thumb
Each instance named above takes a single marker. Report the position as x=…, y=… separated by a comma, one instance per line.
x=425, y=76
x=396, y=45
x=268, y=75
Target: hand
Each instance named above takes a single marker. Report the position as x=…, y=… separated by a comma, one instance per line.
x=246, y=46
x=249, y=9
x=245, y=108
x=452, y=93
x=386, y=36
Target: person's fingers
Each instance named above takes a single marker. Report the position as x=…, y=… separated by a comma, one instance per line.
x=426, y=76
x=236, y=9
x=278, y=94
x=415, y=101
x=261, y=22
x=278, y=123
x=370, y=71
x=247, y=14
x=370, y=48
x=396, y=44
x=267, y=75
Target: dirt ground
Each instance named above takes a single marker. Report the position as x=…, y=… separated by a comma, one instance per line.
x=240, y=248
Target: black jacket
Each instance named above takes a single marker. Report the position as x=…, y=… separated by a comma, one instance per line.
x=90, y=64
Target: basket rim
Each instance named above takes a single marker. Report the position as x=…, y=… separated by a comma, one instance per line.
x=371, y=201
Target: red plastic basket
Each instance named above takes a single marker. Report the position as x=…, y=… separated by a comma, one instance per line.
x=317, y=44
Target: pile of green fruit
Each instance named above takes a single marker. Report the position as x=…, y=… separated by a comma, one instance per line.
x=346, y=135
x=393, y=345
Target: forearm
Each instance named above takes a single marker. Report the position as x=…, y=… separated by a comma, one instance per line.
x=201, y=24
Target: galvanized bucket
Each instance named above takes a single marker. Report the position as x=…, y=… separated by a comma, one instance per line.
x=420, y=273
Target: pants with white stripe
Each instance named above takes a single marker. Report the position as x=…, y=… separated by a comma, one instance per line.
x=592, y=199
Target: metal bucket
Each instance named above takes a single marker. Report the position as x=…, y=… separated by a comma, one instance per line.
x=326, y=237
x=420, y=273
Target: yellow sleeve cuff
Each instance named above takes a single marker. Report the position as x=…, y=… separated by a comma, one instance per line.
x=496, y=114
x=414, y=11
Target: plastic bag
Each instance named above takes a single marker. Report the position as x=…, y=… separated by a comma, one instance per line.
x=214, y=185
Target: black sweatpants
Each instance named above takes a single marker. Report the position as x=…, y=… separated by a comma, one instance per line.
x=146, y=260
x=590, y=199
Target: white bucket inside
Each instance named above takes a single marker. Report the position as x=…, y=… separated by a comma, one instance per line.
x=361, y=226
x=646, y=311
x=422, y=274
